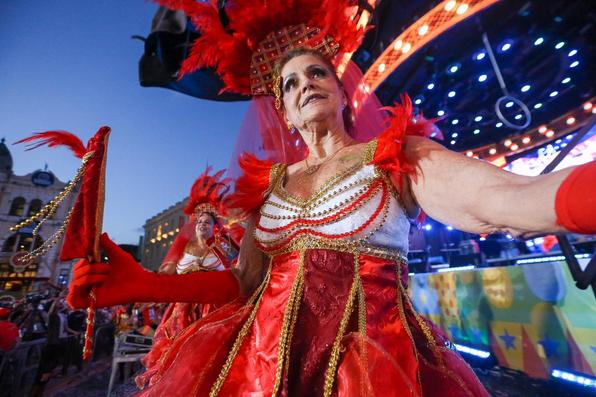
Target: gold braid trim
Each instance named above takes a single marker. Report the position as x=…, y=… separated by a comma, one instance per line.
x=369, y=152
x=330, y=373
x=289, y=321
x=256, y=298
x=274, y=174
x=362, y=331
x=404, y=320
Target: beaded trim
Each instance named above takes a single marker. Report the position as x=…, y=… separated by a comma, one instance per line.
x=335, y=350
x=369, y=152
x=364, y=196
x=382, y=209
x=308, y=202
x=288, y=324
x=304, y=212
x=306, y=242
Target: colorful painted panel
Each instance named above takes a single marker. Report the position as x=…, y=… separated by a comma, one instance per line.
x=531, y=317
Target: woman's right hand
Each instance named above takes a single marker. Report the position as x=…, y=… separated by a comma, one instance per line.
x=122, y=280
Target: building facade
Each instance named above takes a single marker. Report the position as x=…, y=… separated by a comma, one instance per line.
x=20, y=197
x=160, y=232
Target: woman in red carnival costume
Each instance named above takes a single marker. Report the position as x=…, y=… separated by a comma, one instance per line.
x=317, y=303
x=202, y=245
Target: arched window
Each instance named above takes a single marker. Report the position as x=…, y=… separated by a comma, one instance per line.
x=10, y=243
x=21, y=242
x=17, y=207
x=34, y=207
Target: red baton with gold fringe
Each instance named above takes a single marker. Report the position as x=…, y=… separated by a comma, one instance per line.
x=83, y=223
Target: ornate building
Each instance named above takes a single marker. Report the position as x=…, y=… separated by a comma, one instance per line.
x=160, y=231
x=20, y=197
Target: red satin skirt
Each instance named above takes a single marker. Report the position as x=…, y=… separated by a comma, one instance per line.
x=323, y=323
x=176, y=318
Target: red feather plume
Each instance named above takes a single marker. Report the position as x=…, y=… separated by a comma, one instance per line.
x=207, y=189
x=389, y=154
x=253, y=186
x=229, y=49
x=56, y=138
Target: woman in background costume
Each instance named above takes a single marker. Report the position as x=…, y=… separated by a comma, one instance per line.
x=202, y=245
x=318, y=303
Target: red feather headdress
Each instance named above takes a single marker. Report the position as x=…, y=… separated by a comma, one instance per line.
x=259, y=32
x=207, y=193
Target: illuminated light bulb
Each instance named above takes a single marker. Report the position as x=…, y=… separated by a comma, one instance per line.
x=538, y=105
x=480, y=56
x=476, y=131
x=451, y=94
x=418, y=101
x=570, y=120
x=430, y=86
x=492, y=151
x=559, y=45
x=505, y=47
x=572, y=53
x=507, y=143
x=441, y=113
x=526, y=140
x=406, y=48
x=355, y=104
x=398, y=44
x=454, y=135
x=453, y=142
x=539, y=41
x=469, y=153
x=499, y=125
x=518, y=116
x=550, y=133
x=367, y=88
x=553, y=94
x=423, y=30
x=566, y=80
x=542, y=129
x=381, y=68
x=574, y=64
x=525, y=88
x=509, y=104
x=478, y=118
x=462, y=9
x=454, y=121
x=482, y=78
x=450, y=5
x=514, y=147
x=587, y=106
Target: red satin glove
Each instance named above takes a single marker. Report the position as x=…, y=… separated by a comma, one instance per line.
x=122, y=280
x=575, y=202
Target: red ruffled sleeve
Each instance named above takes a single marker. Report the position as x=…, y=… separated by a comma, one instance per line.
x=389, y=154
x=253, y=186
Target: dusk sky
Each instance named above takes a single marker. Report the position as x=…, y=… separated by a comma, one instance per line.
x=71, y=64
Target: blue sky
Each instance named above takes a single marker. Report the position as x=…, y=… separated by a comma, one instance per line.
x=67, y=64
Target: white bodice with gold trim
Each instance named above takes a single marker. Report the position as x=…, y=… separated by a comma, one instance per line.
x=190, y=263
x=358, y=208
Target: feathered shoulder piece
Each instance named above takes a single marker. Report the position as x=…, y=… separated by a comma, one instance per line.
x=259, y=32
x=388, y=153
x=255, y=183
x=207, y=193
